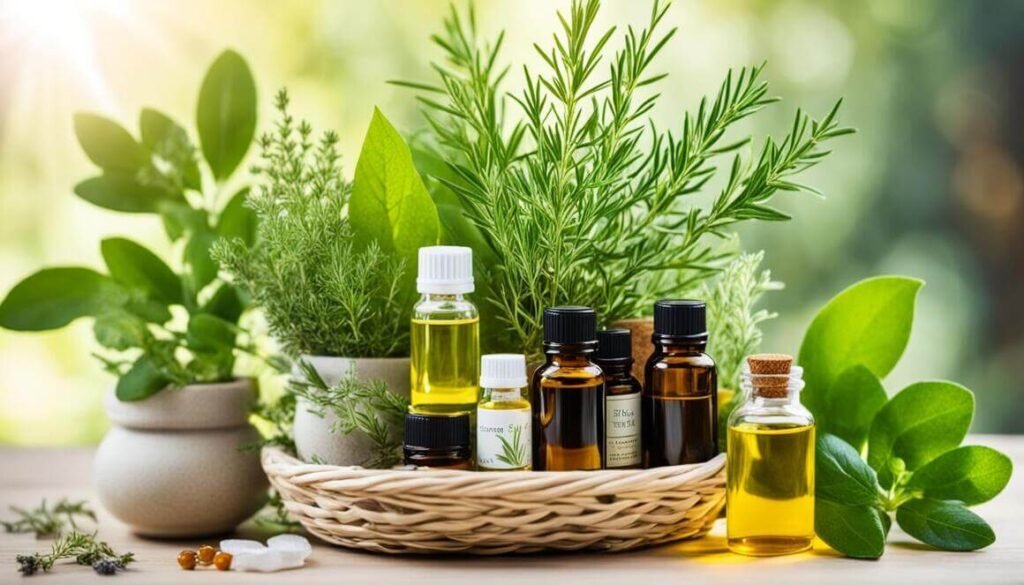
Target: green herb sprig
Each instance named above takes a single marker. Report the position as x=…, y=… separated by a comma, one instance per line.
x=84, y=548
x=45, y=520
x=577, y=196
x=915, y=469
x=365, y=407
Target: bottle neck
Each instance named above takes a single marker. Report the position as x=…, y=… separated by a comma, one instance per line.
x=570, y=354
x=615, y=368
x=679, y=346
x=437, y=297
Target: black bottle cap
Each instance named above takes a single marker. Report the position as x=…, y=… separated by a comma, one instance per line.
x=570, y=325
x=437, y=431
x=614, y=345
x=680, y=319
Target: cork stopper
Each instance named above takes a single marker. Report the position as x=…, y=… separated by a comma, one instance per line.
x=769, y=374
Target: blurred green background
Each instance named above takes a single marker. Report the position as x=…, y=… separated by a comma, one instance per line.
x=932, y=186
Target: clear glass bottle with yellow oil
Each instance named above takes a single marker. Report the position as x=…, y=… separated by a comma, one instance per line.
x=445, y=343
x=770, y=470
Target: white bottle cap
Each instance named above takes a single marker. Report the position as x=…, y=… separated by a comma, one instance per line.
x=445, y=270
x=503, y=370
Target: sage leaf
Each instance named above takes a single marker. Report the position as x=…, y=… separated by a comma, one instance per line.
x=850, y=405
x=118, y=191
x=143, y=380
x=167, y=139
x=971, y=475
x=867, y=324
x=109, y=145
x=943, y=524
x=54, y=297
x=840, y=475
x=134, y=266
x=389, y=204
x=119, y=330
x=209, y=334
x=202, y=268
x=226, y=113
x=854, y=531
x=921, y=422
x=237, y=220
x=225, y=303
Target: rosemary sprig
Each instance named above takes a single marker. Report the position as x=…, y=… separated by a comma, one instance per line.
x=45, y=521
x=84, y=548
x=365, y=407
x=581, y=198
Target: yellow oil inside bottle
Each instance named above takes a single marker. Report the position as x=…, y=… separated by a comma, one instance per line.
x=770, y=489
x=445, y=365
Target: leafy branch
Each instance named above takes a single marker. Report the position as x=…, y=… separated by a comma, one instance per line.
x=45, y=520
x=84, y=548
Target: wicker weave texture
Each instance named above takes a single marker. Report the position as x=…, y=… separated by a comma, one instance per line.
x=435, y=511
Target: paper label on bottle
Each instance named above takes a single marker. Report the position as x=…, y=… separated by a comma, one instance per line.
x=622, y=430
x=503, y=438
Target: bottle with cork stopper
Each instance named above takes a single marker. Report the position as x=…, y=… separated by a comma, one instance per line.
x=770, y=471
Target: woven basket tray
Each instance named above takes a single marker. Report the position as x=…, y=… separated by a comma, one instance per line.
x=435, y=511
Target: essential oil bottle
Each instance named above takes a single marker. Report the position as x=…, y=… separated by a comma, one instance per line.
x=568, y=394
x=445, y=364
x=504, y=438
x=438, y=440
x=622, y=394
x=680, y=402
x=770, y=471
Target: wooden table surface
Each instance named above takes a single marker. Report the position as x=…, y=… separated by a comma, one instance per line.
x=28, y=475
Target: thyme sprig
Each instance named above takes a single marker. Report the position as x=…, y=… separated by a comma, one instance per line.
x=45, y=520
x=84, y=548
x=582, y=198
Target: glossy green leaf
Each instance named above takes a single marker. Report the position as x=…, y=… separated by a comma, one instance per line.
x=119, y=191
x=202, y=269
x=168, y=140
x=867, y=324
x=210, y=334
x=226, y=113
x=119, y=330
x=134, y=266
x=54, y=297
x=850, y=405
x=225, y=303
x=971, y=475
x=389, y=204
x=944, y=525
x=109, y=145
x=918, y=424
x=854, y=531
x=840, y=475
x=143, y=380
x=180, y=219
x=237, y=220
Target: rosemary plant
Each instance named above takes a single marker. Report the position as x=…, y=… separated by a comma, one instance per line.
x=320, y=292
x=84, y=548
x=579, y=196
x=45, y=520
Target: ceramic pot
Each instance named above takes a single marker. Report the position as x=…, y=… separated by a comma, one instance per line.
x=173, y=465
x=315, y=438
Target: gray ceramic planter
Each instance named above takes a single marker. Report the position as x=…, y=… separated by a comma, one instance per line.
x=315, y=438
x=173, y=465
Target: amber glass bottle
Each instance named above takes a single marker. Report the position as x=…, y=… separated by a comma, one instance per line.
x=438, y=441
x=621, y=398
x=680, y=424
x=568, y=394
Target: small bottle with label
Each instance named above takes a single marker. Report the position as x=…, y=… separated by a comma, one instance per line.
x=439, y=441
x=503, y=416
x=622, y=399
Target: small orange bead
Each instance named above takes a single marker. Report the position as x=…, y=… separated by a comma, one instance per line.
x=187, y=559
x=206, y=554
x=222, y=561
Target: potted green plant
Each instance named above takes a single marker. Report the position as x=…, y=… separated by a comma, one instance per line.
x=332, y=274
x=172, y=465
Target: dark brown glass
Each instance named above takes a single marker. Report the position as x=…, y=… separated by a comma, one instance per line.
x=568, y=410
x=680, y=404
x=453, y=458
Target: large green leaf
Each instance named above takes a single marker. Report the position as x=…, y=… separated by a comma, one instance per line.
x=209, y=334
x=141, y=381
x=237, y=220
x=850, y=405
x=167, y=139
x=226, y=113
x=120, y=330
x=390, y=204
x=921, y=422
x=840, y=475
x=134, y=266
x=119, y=191
x=54, y=297
x=225, y=303
x=109, y=145
x=202, y=269
x=971, y=475
x=945, y=525
x=867, y=324
x=854, y=531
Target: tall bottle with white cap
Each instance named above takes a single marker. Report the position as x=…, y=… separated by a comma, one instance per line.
x=445, y=333
x=503, y=416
